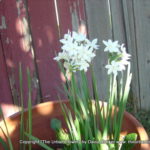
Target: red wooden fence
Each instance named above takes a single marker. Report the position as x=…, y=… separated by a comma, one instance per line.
x=30, y=31
x=29, y=34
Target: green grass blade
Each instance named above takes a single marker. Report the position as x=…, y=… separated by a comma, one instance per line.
x=22, y=106
x=122, y=104
x=101, y=120
x=8, y=136
x=21, y=85
x=5, y=146
x=29, y=106
x=46, y=147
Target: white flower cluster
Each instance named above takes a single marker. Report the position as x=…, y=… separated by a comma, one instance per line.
x=118, y=57
x=77, y=51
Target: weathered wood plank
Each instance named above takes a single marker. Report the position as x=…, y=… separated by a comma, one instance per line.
x=5, y=92
x=71, y=15
x=99, y=26
x=78, y=17
x=132, y=49
x=118, y=30
x=64, y=16
x=45, y=36
x=142, y=26
x=117, y=21
x=17, y=47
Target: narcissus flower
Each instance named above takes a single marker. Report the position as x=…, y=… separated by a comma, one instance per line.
x=118, y=57
x=77, y=51
x=114, y=67
x=111, y=46
x=125, y=56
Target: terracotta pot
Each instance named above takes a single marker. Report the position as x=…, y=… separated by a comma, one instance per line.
x=43, y=113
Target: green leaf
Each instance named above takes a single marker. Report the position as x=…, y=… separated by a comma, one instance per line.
x=8, y=136
x=29, y=104
x=21, y=85
x=55, y=124
x=62, y=135
x=128, y=145
x=4, y=144
x=22, y=147
x=39, y=143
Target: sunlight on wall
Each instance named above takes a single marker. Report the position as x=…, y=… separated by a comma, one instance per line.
x=48, y=31
x=39, y=42
x=82, y=29
x=10, y=63
x=22, y=28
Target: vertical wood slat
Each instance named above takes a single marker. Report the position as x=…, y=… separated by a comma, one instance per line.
x=99, y=26
x=45, y=36
x=5, y=93
x=142, y=26
x=130, y=28
x=5, y=90
x=123, y=30
x=16, y=44
x=64, y=17
x=71, y=15
x=117, y=21
x=78, y=17
x=120, y=28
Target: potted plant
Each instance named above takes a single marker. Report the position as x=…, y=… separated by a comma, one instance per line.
x=82, y=123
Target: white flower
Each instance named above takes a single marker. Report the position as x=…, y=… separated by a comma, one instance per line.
x=78, y=36
x=111, y=46
x=62, y=55
x=121, y=66
x=68, y=35
x=125, y=56
x=93, y=44
x=77, y=51
x=83, y=66
x=114, y=67
x=67, y=38
x=119, y=57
